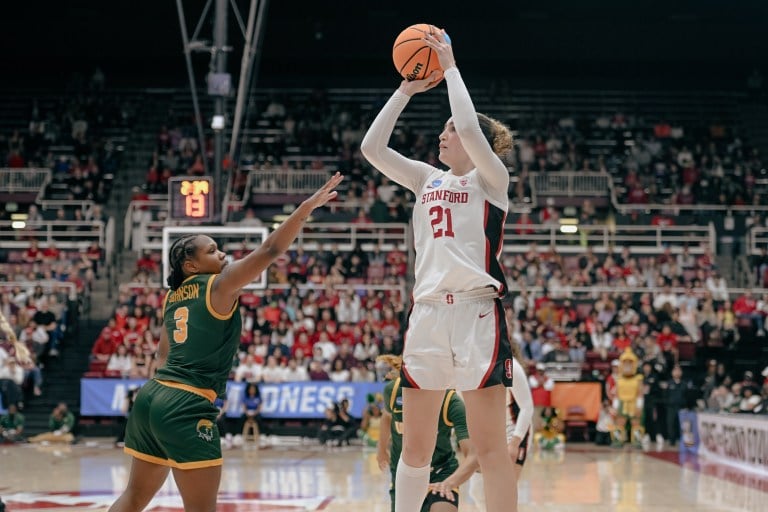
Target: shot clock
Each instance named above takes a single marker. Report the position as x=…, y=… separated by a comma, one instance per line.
x=191, y=198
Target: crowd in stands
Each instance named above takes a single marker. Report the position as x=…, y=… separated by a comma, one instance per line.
x=659, y=162
x=651, y=161
x=319, y=333
x=77, y=136
x=724, y=392
x=38, y=303
x=71, y=136
x=342, y=330
x=40, y=319
x=309, y=330
x=666, y=163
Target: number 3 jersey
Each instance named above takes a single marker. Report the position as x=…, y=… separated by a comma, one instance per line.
x=202, y=341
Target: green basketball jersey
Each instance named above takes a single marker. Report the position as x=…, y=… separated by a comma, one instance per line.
x=452, y=416
x=203, y=342
x=14, y=422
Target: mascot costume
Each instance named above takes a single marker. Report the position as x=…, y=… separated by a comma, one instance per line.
x=628, y=403
x=550, y=437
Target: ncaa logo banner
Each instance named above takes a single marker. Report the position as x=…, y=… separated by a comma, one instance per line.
x=106, y=397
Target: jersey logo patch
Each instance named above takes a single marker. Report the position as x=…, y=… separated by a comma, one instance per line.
x=483, y=315
x=205, y=430
x=435, y=183
x=508, y=368
x=463, y=182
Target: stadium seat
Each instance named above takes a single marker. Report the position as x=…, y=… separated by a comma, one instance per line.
x=576, y=423
x=375, y=272
x=97, y=366
x=686, y=351
x=583, y=309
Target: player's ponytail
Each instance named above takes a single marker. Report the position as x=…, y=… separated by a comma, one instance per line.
x=180, y=250
x=517, y=353
x=497, y=135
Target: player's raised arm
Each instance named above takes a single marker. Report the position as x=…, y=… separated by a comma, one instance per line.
x=236, y=276
x=483, y=152
x=404, y=171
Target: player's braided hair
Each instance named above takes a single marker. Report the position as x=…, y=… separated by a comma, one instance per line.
x=497, y=135
x=181, y=249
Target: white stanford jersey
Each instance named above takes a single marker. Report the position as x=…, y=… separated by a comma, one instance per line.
x=457, y=231
x=457, y=220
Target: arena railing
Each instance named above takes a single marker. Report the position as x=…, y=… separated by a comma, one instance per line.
x=574, y=292
x=24, y=180
x=144, y=231
x=675, y=209
x=571, y=184
x=138, y=213
x=314, y=236
x=602, y=238
x=756, y=239
x=65, y=234
x=600, y=184
x=36, y=180
x=69, y=204
x=294, y=182
x=47, y=286
x=593, y=292
x=346, y=236
x=32, y=180
x=401, y=288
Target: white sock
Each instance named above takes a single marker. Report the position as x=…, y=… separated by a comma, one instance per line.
x=411, y=486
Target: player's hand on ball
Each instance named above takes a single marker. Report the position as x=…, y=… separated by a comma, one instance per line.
x=441, y=45
x=411, y=87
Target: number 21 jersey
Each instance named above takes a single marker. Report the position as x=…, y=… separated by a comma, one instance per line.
x=458, y=234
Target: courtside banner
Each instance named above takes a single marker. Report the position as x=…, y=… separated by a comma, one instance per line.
x=106, y=397
x=735, y=439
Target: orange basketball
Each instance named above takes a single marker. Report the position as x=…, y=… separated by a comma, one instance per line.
x=413, y=59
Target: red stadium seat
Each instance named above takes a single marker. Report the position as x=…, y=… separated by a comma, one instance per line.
x=375, y=272
x=604, y=367
x=576, y=423
x=583, y=309
x=686, y=351
x=97, y=366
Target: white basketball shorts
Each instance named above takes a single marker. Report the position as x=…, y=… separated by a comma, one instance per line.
x=458, y=342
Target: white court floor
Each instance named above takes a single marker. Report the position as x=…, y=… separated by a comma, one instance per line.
x=89, y=476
